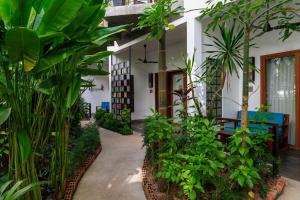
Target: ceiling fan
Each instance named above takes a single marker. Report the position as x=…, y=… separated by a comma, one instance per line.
x=145, y=61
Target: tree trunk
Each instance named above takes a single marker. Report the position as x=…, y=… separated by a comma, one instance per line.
x=162, y=76
x=244, y=122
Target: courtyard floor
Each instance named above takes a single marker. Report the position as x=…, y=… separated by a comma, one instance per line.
x=116, y=173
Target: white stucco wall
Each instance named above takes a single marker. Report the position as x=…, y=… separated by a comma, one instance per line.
x=95, y=96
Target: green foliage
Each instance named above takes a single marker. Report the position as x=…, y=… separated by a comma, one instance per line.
x=197, y=164
x=46, y=48
x=190, y=157
x=225, y=52
x=243, y=172
x=158, y=16
x=4, y=148
x=82, y=146
x=109, y=121
x=10, y=191
x=4, y=114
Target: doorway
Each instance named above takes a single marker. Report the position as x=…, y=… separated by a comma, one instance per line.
x=176, y=83
x=280, y=88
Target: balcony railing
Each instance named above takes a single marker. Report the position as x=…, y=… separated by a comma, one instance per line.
x=129, y=2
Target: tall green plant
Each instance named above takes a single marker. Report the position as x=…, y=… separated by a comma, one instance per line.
x=157, y=18
x=224, y=56
x=45, y=49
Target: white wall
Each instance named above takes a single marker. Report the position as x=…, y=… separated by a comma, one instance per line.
x=95, y=96
x=144, y=99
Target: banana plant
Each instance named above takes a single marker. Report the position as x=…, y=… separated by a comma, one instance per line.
x=46, y=46
x=10, y=191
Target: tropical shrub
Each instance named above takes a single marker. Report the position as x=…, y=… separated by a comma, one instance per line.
x=157, y=129
x=109, y=121
x=82, y=146
x=197, y=164
x=44, y=52
x=10, y=191
x=189, y=156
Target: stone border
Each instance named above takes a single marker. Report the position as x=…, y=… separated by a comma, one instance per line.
x=276, y=190
x=72, y=184
x=152, y=192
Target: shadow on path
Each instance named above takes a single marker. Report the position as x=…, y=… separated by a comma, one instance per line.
x=116, y=173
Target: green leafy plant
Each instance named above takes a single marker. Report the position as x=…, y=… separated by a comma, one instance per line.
x=225, y=57
x=109, y=121
x=157, y=129
x=82, y=146
x=44, y=53
x=243, y=172
x=196, y=165
x=4, y=148
x=10, y=191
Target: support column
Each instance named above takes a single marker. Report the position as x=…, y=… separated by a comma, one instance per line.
x=194, y=44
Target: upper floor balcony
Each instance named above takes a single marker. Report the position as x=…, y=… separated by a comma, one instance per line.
x=129, y=2
x=127, y=7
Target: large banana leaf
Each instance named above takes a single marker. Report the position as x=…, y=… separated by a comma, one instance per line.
x=53, y=59
x=95, y=58
x=23, y=45
x=59, y=15
x=7, y=10
x=101, y=33
x=83, y=18
x=74, y=91
x=22, y=14
x=4, y=114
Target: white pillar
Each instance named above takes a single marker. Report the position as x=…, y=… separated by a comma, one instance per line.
x=194, y=44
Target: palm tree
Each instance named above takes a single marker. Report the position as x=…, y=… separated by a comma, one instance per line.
x=224, y=57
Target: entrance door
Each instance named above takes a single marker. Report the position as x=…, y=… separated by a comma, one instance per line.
x=176, y=81
x=280, y=89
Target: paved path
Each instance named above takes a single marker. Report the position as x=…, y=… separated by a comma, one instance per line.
x=116, y=173
x=291, y=190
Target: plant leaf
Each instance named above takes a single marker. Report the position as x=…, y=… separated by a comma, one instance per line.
x=4, y=114
x=24, y=144
x=23, y=45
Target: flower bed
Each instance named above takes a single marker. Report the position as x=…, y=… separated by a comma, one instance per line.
x=189, y=162
x=151, y=188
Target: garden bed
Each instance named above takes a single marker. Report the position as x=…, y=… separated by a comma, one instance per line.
x=72, y=184
x=151, y=188
x=109, y=121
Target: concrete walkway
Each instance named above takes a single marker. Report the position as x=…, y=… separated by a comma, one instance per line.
x=291, y=190
x=116, y=173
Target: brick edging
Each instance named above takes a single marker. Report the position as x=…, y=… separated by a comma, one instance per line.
x=152, y=192
x=149, y=185
x=72, y=184
x=276, y=190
